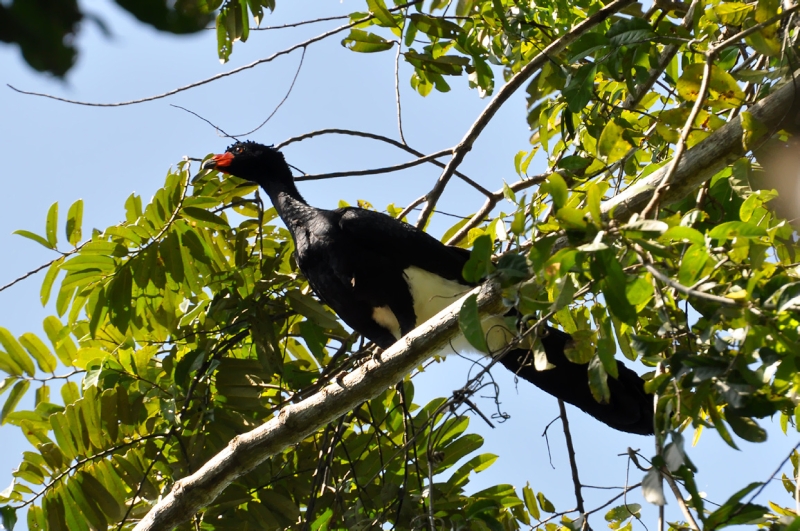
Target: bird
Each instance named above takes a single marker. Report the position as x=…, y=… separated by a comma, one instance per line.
x=384, y=277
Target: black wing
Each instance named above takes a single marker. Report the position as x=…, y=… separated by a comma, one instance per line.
x=401, y=243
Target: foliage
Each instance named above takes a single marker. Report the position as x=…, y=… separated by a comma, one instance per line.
x=44, y=29
x=187, y=323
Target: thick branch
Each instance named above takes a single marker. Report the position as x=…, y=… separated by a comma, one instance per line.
x=505, y=93
x=704, y=160
x=295, y=422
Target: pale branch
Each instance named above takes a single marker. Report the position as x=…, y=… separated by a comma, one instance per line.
x=689, y=292
x=680, y=148
x=381, y=138
x=489, y=204
x=295, y=422
x=411, y=206
x=505, y=93
x=184, y=88
x=681, y=502
x=708, y=157
x=374, y=171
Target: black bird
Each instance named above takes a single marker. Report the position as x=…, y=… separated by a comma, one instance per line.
x=384, y=277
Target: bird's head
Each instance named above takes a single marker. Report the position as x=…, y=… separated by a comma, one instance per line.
x=251, y=161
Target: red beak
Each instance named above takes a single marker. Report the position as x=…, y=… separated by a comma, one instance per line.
x=219, y=162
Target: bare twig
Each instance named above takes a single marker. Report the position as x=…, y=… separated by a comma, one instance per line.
x=688, y=291
x=489, y=204
x=381, y=138
x=573, y=464
x=504, y=94
x=286, y=97
x=297, y=24
x=375, y=171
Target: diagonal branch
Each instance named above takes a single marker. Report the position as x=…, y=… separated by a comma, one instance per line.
x=504, y=94
x=295, y=422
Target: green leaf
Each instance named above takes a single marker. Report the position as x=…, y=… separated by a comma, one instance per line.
x=530, y=501
x=75, y=222
x=35, y=237
x=733, y=512
x=204, y=218
x=693, y=264
x=96, y=491
x=745, y=427
x=557, y=188
x=378, y=9
x=469, y=322
x=598, y=381
x=52, y=225
x=545, y=504
x=8, y=517
x=364, y=42
x=612, y=145
x=623, y=512
x=614, y=283
x=579, y=90
x=436, y=27
x=307, y=306
x=16, y=394
x=719, y=424
x=480, y=263
x=736, y=229
x=49, y=279
x=38, y=351
x=683, y=234
x=14, y=349
x=723, y=91
x=733, y=13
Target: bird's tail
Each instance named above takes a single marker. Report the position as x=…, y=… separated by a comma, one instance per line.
x=630, y=409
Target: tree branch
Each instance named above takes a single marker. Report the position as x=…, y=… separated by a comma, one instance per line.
x=704, y=160
x=295, y=422
x=504, y=94
x=395, y=143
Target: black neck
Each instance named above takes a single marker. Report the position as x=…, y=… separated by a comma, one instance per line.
x=291, y=207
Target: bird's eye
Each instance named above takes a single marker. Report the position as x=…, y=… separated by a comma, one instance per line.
x=237, y=150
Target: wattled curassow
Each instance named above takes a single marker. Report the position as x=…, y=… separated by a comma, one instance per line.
x=384, y=277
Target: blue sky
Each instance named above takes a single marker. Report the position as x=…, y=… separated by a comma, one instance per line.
x=53, y=151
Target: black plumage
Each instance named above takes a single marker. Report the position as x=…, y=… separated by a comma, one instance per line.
x=384, y=277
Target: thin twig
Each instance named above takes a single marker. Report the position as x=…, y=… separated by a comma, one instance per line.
x=296, y=24
x=375, y=171
x=489, y=204
x=397, y=88
x=285, y=97
x=688, y=291
x=258, y=62
x=381, y=138
x=504, y=94
x=573, y=464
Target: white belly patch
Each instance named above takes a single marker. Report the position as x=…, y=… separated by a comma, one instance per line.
x=431, y=294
